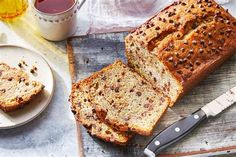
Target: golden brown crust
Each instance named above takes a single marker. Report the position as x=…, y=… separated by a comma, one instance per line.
x=106, y=139
x=126, y=136
x=125, y=128
x=190, y=37
x=16, y=105
x=95, y=75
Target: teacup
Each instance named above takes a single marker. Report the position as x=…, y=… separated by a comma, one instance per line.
x=57, y=26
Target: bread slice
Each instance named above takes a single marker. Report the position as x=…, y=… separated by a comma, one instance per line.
x=181, y=44
x=125, y=100
x=82, y=107
x=15, y=88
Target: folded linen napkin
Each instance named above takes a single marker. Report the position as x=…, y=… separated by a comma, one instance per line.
x=103, y=16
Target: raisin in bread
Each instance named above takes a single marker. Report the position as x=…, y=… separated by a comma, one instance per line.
x=180, y=45
x=82, y=107
x=15, y=88
x=124, y=100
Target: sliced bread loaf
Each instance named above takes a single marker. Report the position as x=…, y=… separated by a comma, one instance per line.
x=181, y=44
x=124, y=99
x=82, y=107
x=15, y=88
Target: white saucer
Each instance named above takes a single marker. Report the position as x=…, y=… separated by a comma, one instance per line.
x=12, y=55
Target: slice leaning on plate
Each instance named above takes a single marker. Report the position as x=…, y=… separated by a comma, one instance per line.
x=15, y=88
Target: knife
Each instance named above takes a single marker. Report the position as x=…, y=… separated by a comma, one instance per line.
x=181, y=128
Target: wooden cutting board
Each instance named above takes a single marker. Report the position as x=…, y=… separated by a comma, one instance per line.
x=214, y=137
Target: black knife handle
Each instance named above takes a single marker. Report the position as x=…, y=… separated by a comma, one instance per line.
x=174, y=132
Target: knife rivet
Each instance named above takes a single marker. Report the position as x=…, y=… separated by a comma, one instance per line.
x=196, y=116
x=177, y=129
x=157, y=143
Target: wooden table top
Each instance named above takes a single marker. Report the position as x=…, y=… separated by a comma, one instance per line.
x=214, y=137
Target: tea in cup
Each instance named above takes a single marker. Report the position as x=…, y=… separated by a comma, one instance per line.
x=56, y=19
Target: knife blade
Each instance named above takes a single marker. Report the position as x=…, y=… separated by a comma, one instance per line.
x=181, y=128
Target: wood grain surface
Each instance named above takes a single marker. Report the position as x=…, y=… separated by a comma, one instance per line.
x=71, y=59
x=214, y=137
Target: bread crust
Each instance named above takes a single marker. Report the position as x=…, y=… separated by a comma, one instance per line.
x=125, y=128
x=191, y=38
x=16, y=105
x=106, y=138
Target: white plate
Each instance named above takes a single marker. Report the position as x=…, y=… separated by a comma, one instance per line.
x=12, y=55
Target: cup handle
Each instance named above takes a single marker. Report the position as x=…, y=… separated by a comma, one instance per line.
x=80, y=4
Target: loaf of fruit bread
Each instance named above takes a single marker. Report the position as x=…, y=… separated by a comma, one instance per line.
x=123, y=99
x=82, y=107
x=15, y=88
x=179, y=46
